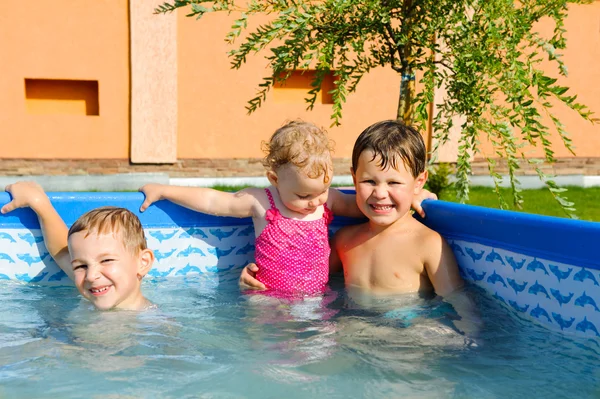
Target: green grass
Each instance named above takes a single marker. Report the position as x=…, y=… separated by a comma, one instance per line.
x=539, y=201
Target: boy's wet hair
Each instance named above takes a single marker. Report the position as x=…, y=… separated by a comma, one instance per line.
x=303, y=145
x=110, y=219
x=392, y=141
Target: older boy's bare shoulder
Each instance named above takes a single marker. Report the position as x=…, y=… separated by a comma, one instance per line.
x=426, y=236
x=349, y=231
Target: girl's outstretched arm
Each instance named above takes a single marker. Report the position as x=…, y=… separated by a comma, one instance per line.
x=205, y=200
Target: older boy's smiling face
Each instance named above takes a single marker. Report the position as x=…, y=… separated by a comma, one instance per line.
x=105, y=272
x=384, y=196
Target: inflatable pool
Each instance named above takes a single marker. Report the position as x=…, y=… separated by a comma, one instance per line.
x=543, y=268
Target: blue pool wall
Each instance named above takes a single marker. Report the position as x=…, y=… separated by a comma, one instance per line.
x=543, y=268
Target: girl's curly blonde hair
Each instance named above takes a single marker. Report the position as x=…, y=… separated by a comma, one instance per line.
x=303, y=145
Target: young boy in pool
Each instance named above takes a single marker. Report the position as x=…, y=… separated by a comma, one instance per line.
x=104, y=252
x=290, y=217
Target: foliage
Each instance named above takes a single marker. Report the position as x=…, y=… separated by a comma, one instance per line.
x=485, y=53
x=439, y=179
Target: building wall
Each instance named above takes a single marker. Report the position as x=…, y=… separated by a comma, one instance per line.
x=213, y=121
x=582, y=58
x=65, y=93
x=72, y=43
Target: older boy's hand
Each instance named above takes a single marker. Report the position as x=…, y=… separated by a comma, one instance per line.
x=248, y=280
x=153, y=193
x=25, y=194
x=419, y=198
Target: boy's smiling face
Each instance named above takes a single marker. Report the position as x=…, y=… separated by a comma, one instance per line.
x=384, y=196
x=106, y=272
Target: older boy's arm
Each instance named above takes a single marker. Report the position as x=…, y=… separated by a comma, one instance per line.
x=418, y=199
x=200, y=199
x=441, y=266
x=54, y=230
x=248, y=279
x=345, y=204
x=442, y=270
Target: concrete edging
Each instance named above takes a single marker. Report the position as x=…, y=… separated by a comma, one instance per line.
x=133, y=181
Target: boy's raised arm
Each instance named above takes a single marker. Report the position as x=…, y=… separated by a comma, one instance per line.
x=54, y=229
x=201, y=199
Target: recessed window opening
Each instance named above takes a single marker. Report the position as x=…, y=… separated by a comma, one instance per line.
x=61, y=96
x=295, y=89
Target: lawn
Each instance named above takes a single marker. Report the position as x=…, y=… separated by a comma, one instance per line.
x=536, y=201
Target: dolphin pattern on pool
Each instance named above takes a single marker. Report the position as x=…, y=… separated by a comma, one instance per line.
x=6, y=236
x=473, y=274
x=537, y=265
x=516, y=286
x=494, y=278
x=560, y=274
x=220, y=233
x=30, y=239
x=475, y=256
x=563, y=323
x=514, y=264
x=584, y=274
x=562, y=299
x=586, y=300
x=586, y=325
x=492, y=256
x=538, y=312
x=538, y=288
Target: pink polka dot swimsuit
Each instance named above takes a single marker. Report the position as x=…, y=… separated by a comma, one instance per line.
x=293, y=255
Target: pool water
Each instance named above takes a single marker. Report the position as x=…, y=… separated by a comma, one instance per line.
x=208, y=341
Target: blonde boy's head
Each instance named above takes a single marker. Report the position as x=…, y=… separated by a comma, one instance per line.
x=303, y=145
x=393, y=142
x=110, y=219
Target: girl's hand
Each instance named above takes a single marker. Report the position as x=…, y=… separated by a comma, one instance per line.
x=419, y=198
x=153, y=193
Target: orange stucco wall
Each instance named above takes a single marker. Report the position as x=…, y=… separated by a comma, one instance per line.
x=213, y=121
x=84, y=40
x=89, y=40
x=582, y=58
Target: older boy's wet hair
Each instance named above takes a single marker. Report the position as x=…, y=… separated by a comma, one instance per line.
x=303, y=145
x=110, y=219
x=392, y=141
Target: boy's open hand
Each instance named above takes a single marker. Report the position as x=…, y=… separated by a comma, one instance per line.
x=153, y=193
x=248, y=280
x=419, y=198
x=25, y=194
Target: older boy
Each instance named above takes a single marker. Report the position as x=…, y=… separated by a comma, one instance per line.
x=392, y=252
x=104, y=252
